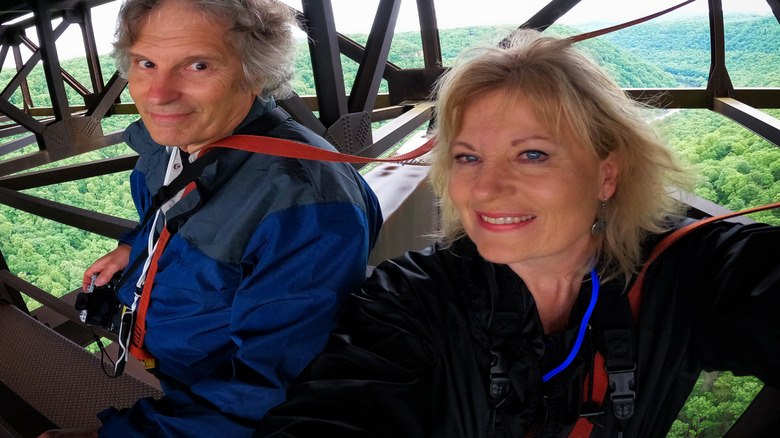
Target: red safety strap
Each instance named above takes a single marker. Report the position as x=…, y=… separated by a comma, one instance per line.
x=635, y=294
x=257, y=144
x=606, y=30
x=137, y=347
x=583, y=427
x=291, y=149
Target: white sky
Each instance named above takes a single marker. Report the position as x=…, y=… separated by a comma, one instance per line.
x=356, y=16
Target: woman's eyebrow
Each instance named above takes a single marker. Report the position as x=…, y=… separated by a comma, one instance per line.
x=521, y=140
x=462, y=143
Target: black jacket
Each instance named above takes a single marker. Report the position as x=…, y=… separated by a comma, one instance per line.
x=412, y=356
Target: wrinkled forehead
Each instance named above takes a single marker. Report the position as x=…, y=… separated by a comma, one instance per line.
x=174, y=13
x=548, y=108
x=545, y=108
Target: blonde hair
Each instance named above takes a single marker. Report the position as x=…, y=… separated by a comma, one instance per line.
x=571, y=95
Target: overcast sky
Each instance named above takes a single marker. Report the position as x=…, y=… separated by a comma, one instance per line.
x=356, y=16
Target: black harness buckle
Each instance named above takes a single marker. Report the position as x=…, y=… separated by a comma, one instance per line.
x=499, y=377
x=622, y=386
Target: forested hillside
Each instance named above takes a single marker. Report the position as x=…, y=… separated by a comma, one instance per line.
x=682, y=49
x=737, y=168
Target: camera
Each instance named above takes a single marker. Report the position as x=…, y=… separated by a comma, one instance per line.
x=100, y=305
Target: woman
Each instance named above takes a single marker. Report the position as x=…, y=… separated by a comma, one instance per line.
x=553, y=192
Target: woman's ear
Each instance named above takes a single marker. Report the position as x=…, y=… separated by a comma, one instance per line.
x=609, y=170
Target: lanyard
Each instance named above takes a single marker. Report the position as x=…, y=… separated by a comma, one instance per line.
x=133, y=341
x=594, y=278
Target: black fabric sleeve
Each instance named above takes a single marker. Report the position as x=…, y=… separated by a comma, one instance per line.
x=374, y=371
x=722, y=291
x=737, y=327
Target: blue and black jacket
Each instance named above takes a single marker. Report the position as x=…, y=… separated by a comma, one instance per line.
x=246, y=291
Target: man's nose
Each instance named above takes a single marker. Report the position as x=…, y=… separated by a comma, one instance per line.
x=163, y=87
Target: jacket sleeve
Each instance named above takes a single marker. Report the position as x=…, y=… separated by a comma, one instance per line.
x=297, y=268
x=728, y=277
x=741, y=332
x=375, y=369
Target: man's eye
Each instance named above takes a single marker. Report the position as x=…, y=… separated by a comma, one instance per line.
x=199, y=66
x=145, y=63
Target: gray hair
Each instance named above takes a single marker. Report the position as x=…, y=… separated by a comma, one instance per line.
x=260, y=32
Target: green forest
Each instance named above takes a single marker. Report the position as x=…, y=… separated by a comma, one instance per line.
x=735, y=168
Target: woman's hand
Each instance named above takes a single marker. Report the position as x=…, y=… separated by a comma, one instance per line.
x=107, y=266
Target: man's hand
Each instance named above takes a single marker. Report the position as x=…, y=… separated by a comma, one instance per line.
x=70, y=433
x=107, y=266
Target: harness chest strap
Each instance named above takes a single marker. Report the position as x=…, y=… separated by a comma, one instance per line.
x=601, y=378
x=186, y=182
x=136, y=347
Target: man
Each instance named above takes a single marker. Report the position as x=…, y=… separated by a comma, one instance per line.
x=262, y=249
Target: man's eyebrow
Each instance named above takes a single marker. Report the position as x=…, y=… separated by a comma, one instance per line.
x=189, y=59
x=201, y=57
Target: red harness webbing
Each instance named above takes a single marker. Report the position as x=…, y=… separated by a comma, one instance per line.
x=136, y=347
x=606, y=30
x=292, y=149
x=583, y=427
x=258, y=144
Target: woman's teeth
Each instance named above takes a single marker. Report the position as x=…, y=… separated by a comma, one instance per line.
x=506, y=220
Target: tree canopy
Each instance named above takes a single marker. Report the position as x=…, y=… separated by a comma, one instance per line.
x=736, y=168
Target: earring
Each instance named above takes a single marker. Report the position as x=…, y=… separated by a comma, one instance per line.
x=601, y=223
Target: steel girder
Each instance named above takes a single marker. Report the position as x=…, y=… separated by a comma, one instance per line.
x=67, y=129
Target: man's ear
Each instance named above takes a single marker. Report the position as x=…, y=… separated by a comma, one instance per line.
x=609, y=169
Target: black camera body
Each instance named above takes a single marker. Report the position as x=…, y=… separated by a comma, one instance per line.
x=100, y=305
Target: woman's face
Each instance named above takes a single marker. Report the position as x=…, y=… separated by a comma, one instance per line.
x=525, y=197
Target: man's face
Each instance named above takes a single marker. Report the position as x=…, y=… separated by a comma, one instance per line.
x=186, y=81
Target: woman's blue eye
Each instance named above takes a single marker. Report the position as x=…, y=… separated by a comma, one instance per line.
x=145, y=63
x=465, y=158
x=533, y=155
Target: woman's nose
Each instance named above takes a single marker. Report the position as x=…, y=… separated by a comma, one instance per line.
x=492, y=181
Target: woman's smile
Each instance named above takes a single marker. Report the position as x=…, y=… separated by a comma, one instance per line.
x=505, y=220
